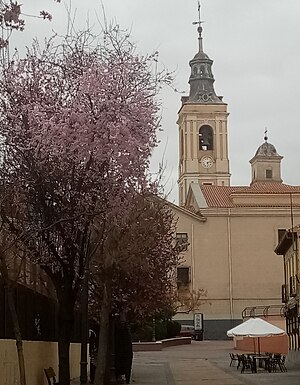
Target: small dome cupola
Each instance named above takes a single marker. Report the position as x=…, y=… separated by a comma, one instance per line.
x=266, y=163
x=267, y=149
x=201, y=79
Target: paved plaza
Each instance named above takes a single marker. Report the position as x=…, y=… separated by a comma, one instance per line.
x=201, y=363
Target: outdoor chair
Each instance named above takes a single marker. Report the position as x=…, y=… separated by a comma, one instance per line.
x=240, y=360
x=247, y=364
x=282, y=364
x=277, y=361
x=233, y=359
x=51, y=376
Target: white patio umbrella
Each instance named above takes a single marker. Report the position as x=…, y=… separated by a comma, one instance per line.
x=255, y=327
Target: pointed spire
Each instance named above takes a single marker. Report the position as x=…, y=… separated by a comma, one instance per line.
x=201, y=79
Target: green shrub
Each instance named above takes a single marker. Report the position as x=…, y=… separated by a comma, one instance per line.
x=163, y=329
x=173, y=329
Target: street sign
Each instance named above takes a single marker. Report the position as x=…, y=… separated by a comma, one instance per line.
x=198, y=321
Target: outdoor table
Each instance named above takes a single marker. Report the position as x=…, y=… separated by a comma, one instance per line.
x=260, y=358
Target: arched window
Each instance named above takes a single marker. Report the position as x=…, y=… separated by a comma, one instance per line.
x=205, y=138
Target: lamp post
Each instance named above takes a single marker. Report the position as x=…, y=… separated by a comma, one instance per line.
x=153, y=330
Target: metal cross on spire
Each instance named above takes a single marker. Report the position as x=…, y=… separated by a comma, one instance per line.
x=266, y=134
x=199, y=29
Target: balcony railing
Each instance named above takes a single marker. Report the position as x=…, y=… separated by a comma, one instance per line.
x=263, y=311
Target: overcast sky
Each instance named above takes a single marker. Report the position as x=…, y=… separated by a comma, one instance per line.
x=255, y=45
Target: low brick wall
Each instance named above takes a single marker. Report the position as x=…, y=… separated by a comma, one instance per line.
x=274, y=344
x=146, y=346
x=159, y=345
x=176, y=341
x=38, y=355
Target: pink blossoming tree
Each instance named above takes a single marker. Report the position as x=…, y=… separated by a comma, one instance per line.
x=11, y=19
x=77, y=128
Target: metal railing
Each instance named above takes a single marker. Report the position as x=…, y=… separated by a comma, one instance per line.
x=263, y=311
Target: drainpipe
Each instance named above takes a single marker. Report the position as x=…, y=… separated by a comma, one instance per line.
x=297, y=266
x=192, y=258
x=192, y=266
x=229, y=263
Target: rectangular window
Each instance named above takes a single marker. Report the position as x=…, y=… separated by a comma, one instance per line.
x=293, y=286
x=183, y=276
x=284, y=294
x=269, y=174
x=182, y=241
x=280, y=234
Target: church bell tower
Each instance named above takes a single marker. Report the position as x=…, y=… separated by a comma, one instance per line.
x=202, y=121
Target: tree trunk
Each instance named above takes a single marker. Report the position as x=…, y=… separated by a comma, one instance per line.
x=84, y=329
x=104, y=336
x=66, y=323
x=14, y=318
x=17, y=332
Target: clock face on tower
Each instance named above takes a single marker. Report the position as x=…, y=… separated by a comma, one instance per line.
x=206, y=161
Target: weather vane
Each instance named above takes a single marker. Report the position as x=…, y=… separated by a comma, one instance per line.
x=199, y=22
x=266, y=134
x=199, y=29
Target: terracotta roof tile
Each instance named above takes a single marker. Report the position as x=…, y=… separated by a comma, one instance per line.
x=271, y=188
x=221, y=196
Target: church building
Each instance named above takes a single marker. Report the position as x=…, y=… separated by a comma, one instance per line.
x=227, y=233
